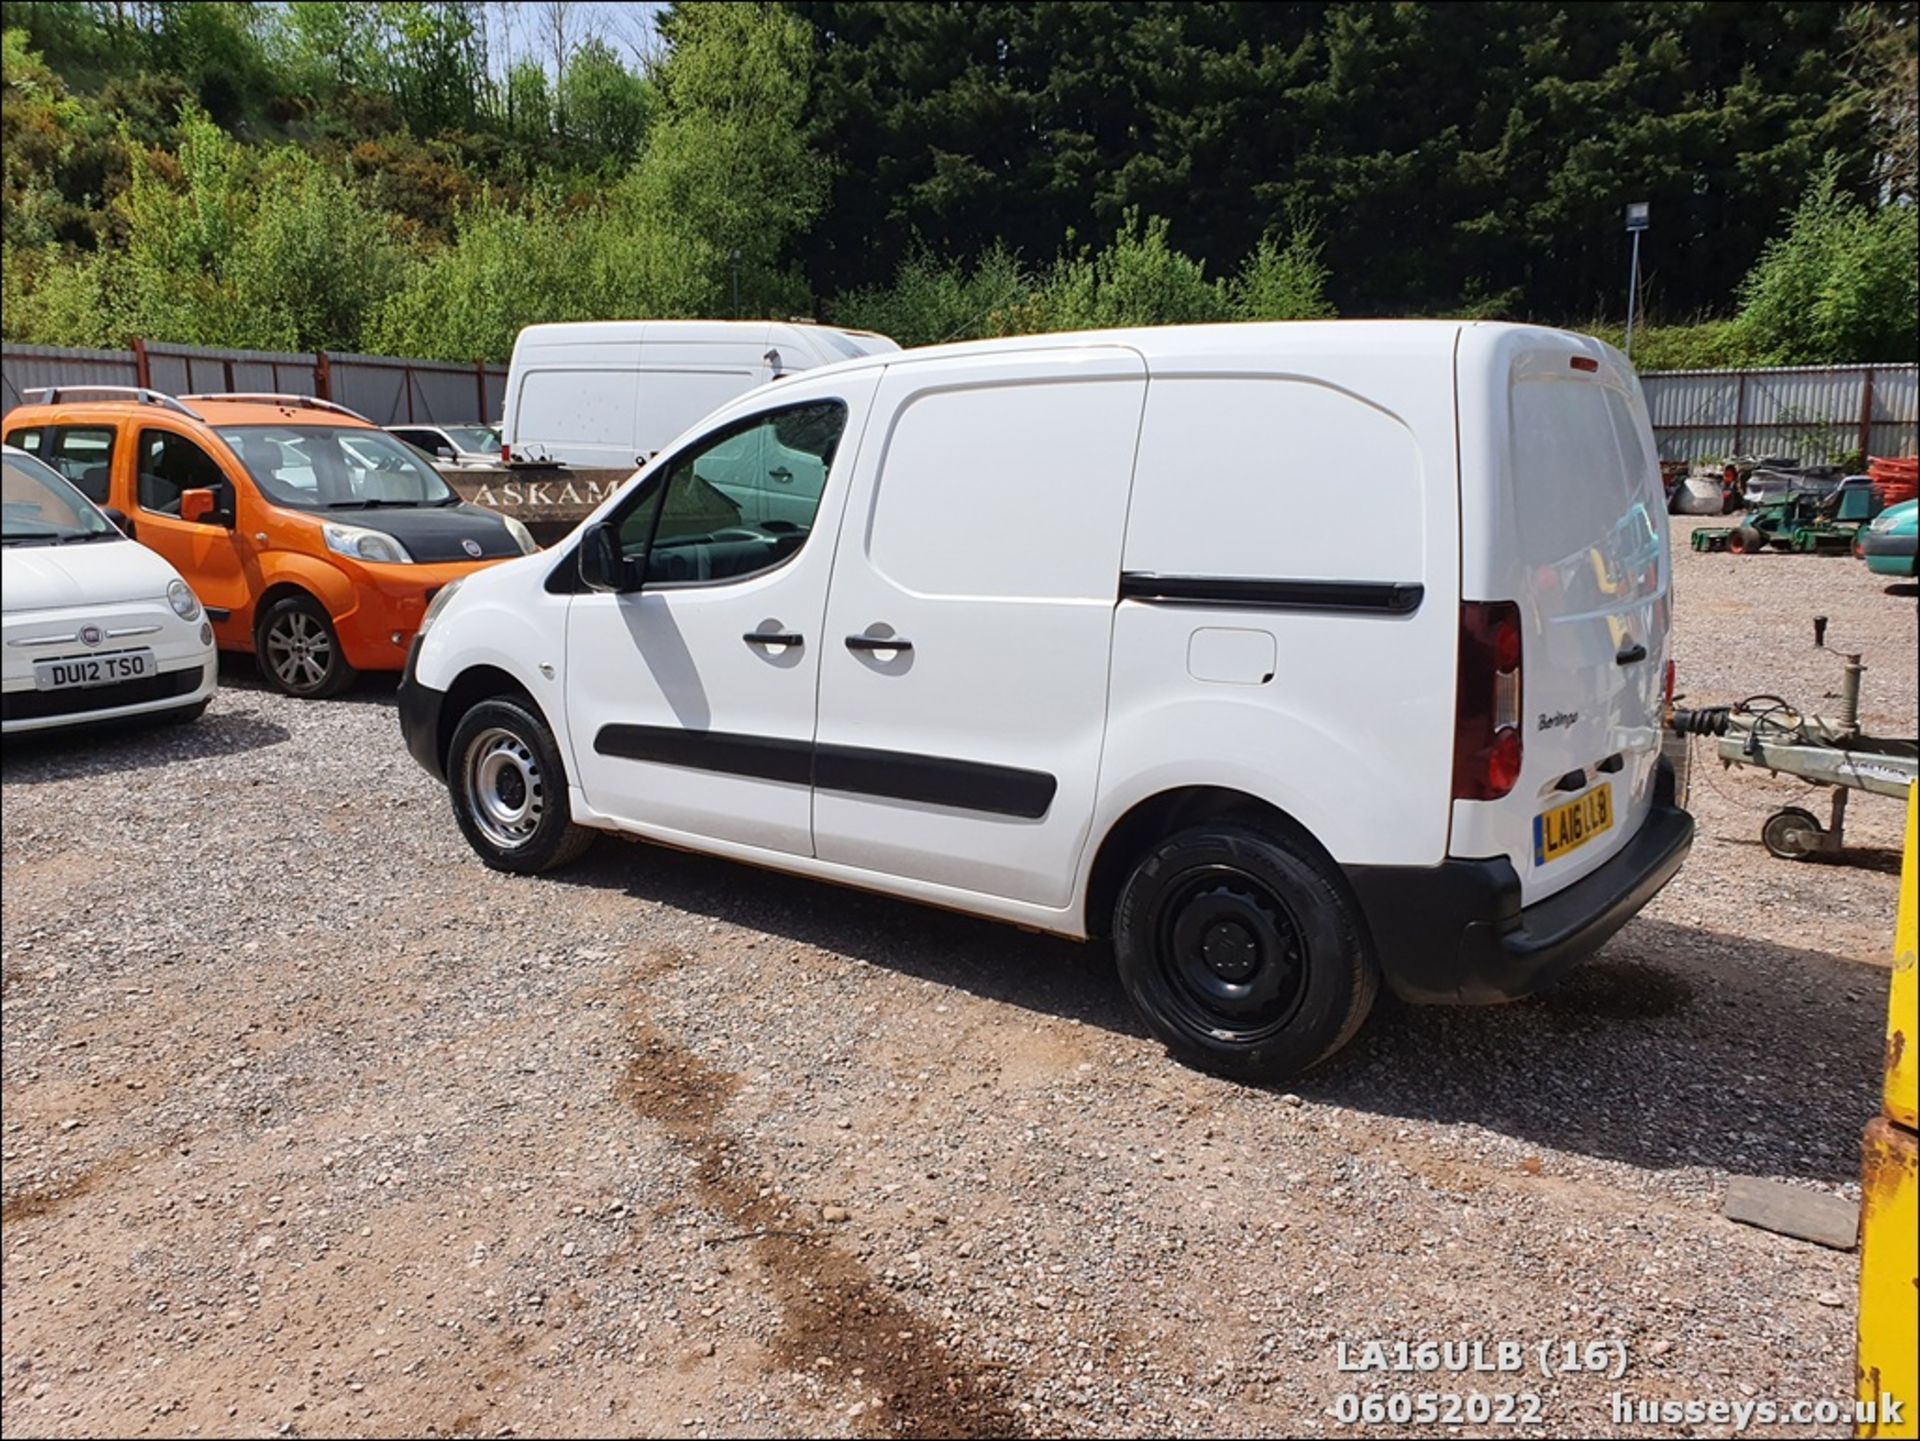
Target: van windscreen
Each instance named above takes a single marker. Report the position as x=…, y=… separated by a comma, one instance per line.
x=321, y=467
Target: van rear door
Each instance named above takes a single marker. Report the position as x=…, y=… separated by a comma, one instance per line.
x=1562, y=514
x=572, y=401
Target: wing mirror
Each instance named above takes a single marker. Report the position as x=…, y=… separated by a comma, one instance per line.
x=198, y=505
x=602, y=564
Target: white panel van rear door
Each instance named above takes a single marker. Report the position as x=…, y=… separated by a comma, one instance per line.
x=574, y=403
x=681, y=381
x=1563, y=514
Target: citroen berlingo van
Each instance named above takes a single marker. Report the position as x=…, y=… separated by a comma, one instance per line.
x=1294, y=658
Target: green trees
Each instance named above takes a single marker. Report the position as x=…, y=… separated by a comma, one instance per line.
x=725, y=171
x=1443, y=150
x=364, y=173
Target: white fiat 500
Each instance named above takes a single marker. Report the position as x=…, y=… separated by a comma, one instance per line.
x=96, y=627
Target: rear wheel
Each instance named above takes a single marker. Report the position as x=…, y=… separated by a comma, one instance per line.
x=1792, y=834
x=510, y=789
x=299, y=650
x=1242, y=952
x=1745, y=540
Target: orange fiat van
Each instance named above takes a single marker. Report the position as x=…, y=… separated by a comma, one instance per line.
x=313, y=538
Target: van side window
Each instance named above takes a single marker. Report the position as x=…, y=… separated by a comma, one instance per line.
x=84, y=455
x=740, y=502
x=27, y=440
x=171, y=463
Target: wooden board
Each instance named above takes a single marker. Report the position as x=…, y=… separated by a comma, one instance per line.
x=1794, y=1211
x=553, y=497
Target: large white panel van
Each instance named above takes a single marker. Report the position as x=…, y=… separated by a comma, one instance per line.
x=1290, y=657
x=608, y=394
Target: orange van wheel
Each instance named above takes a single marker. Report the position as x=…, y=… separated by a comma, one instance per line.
x=299, y=650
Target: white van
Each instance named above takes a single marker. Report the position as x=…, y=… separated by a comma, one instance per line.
x=1289, y=656
x=608, y=394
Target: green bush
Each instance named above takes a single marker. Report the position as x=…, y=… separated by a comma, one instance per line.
x=1139, y=279
x=1702, y=345
x=1842, y=284
x=932, y=301
x=1282, y=282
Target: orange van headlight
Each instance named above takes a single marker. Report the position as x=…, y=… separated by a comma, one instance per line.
x=364, y=544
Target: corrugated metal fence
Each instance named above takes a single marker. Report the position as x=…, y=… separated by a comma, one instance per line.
x=1815, y=414
x=385, y=389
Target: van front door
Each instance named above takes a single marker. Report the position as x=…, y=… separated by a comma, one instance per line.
x=690, y=702
x=963, y=669
x=212, y=555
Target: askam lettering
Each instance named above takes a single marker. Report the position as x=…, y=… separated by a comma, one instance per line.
x=537, y=493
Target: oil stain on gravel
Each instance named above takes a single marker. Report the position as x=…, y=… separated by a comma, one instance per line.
x=830, y=1305
x=45, y=1200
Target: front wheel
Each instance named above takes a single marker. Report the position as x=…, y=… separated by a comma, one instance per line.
x=299, y=650
x=1243, y=952
x=510, y=789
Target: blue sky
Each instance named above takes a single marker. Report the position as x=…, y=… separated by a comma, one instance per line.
x=519, y=29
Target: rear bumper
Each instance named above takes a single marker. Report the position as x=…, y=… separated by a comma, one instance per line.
x=420, y=708
x=1878, y=543
x=1457, y=933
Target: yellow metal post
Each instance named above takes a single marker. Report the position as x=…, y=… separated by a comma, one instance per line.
x=1889, y=1353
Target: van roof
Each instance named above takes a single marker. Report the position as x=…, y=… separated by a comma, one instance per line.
x=690, y=332
x=1173, y=345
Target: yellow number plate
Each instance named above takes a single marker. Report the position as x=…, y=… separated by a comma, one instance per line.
x=1567, y=828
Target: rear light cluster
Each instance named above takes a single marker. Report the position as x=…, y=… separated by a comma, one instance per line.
x=506, y=455
x=1487, y=745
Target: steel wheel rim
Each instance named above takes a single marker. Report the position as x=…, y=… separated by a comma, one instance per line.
x=505, y=793
x=1231, y=955
x=300, y=650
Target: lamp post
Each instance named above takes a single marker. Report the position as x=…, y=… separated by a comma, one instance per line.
x=735, y=258
x=1636, y=222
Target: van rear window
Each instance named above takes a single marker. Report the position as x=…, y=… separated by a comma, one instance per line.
x=1582, y=480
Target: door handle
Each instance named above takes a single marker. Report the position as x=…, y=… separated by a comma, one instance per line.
x=1631, y=653
x=878, y=642
x=773, y=637
x=783, y=475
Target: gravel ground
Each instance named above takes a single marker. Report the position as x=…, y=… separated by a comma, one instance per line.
x=314, y=1126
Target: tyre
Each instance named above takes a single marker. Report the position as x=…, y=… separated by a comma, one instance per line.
x=1243, y=952
x=1745, y=540
x=299, y=650
x=509, y=789
x=1792, y=834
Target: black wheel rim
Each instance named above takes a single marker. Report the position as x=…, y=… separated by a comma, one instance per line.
x=1231, y=955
